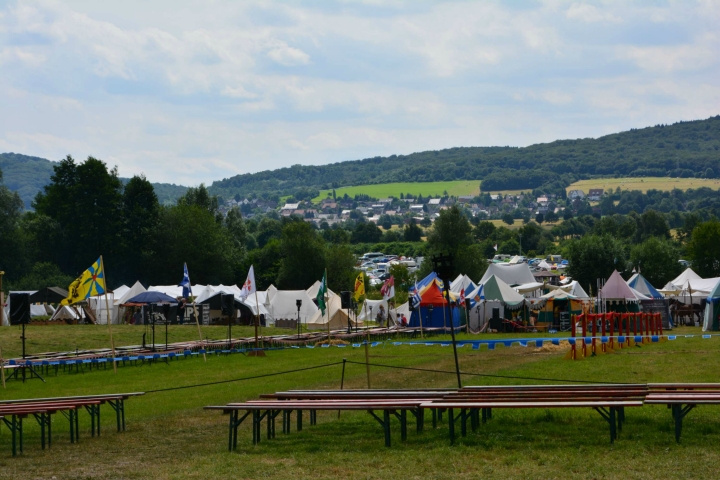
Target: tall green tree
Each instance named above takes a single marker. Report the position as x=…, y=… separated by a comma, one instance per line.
x=13, y=252
x=340, y=264
x=704, y=249
x=411, y=231
x=303, y=257
x=141, y=214
x=657, y=259
x=86, y=201
x=451, y=234
x=189, y=233
x=593, y=257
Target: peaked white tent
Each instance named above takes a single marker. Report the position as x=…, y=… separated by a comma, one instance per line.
x=462, y=282
x=519, y=274
x=676, y=285
x=131, y=292
x=283, y=305
x=338, y=316
x=67, y=313
x=120, y=291
x=313, y=290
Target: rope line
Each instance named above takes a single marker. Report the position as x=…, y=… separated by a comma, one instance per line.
x=486, y=374
x=243, y=378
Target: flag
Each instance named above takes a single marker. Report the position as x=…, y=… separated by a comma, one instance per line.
x=248, y=287
x=359, y=286
x=461, y=301
x=187, y=287
x=388, y=288
x=89, y=284
x=495, y=247
x=322, y=293
x=416, y=298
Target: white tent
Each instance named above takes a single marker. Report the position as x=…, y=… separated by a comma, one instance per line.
x=120, y=291
x=283, y=305
x=338, y=316
x=313, y=290
x=131, y=292
x=270, y=293
x=370, y=308
x=67, y=313
x=519, y=274
x=99, y=308
x=462, y=282
x=515, y=260
x=543, y=265
x=680, y=282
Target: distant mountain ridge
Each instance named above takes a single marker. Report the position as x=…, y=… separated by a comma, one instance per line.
x=28, y=175
x=684, y=149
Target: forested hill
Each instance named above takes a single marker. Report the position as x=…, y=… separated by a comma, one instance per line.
x=28, y=175
x=685, y=149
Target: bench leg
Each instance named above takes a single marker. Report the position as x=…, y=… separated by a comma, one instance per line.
x=678, y=414
x=386, y=426
x=451, y=424
x=255, y=426
x=463, y=422
x=299, y=420
x=403, y=425
x=233, y=414
x=434, y=417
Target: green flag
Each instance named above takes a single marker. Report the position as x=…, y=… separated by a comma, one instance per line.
x=321, y=294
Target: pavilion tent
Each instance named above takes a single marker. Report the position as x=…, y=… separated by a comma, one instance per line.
x=313, y=290
x=496, y=290
x=41, y=310
x=462, y=282
x=131, y=292
x=617, y=289
x=283, y=305
x=433, y=296
x=270, y=293
x=120, y=291
x=100, y=308
x=641, y=284
x=338, y=316
x=543, y=265
x=676, y=285
x=711, y=322
x=519, y=274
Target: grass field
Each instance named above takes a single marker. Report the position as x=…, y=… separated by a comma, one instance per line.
x=645, y=184
x=385, y=190
x=472, y=187
x=170, y=436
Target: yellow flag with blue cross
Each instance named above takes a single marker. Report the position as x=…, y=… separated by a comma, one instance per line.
x=89, y=284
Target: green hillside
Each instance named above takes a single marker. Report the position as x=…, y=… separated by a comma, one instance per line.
x=28, y=175
x=385, y=190
x=685, y=149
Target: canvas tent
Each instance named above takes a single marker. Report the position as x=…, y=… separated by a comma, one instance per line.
x=49, y=295
x=283, y=305
x=462, y=282
x=640, y=284
x=370, y=309
x=711, y=322
x=67, y=313
x=120, y=291
x=513, y=275
x=338, y=316
x=676, y=285
x=494, y=293
x=440, y=318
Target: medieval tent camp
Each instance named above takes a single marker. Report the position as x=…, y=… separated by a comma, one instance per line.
x=283, y=305
x=462, y=283
x=437, y=316
x=711, y=320
x=512, y=275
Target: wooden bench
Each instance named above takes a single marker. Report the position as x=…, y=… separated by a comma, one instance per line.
x=681, y=398
x=42, y=409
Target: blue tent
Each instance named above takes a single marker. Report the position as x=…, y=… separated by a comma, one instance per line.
x=152, y=297
x=712, y=310
x=440, y=317
x=640, y=283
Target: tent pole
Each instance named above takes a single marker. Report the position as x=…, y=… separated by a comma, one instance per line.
x=107, y=309
x=367, y=340
x=257, y=322
x=327, y=304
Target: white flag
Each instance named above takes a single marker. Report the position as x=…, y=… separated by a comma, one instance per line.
x=248, y=287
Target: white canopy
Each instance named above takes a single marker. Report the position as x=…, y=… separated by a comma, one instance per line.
x=528, y=287
x=120, y=291
x=313, y=290
x=283, y=304
x=519, y=274
x=544, y=265
x=462, y=282
x=338, y=316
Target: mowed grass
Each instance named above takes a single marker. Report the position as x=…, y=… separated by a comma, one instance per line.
x=170, y=436
x=645, y=184
x=385, y=190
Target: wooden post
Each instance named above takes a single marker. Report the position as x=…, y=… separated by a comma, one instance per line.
x=197, y=322
x=109, y=320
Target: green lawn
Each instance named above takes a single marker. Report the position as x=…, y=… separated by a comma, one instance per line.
x=385, y=190
x=170, y=436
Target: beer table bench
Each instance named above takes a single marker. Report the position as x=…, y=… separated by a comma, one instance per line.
x=681, y=398
x=270, y=409
x=43, y=408
x=612, y=410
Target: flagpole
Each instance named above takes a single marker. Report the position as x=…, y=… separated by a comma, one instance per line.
x=197, y=322
x=326, y=294
x=107, y=309
x=257, y=314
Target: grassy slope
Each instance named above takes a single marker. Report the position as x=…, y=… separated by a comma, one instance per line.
x=385, y=190
x=169, y=436
x=645, y=184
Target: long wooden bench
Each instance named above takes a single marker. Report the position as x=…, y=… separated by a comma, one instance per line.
x=681, y=398
x=43, y=408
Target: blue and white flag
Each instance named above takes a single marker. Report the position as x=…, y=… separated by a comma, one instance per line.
x=416, y=298
x=187, y=288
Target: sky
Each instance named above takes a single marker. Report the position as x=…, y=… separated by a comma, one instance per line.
x=194, y=91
